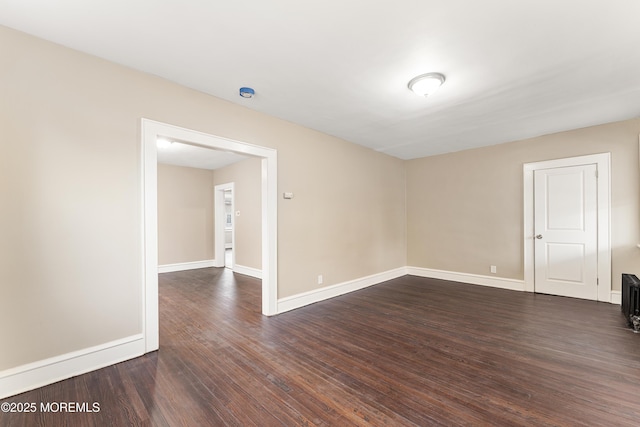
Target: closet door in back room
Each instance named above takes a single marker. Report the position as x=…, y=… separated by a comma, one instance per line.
x=566, y=231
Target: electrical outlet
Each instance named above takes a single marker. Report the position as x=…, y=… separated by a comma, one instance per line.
x=494, y=269
x=320, y=279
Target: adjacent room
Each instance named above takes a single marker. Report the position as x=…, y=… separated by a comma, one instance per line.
x=284, y=213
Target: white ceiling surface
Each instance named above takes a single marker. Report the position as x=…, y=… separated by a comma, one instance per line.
x=514, y=69
x=176, y=153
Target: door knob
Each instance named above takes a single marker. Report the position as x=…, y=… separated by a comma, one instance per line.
x=538, y=236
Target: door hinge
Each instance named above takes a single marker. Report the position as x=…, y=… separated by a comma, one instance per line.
x=597, y=281
x=596, y=173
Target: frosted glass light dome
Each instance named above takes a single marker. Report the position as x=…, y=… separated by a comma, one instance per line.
x=426, y=84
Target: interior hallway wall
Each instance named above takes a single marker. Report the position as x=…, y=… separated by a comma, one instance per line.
x=185, y=214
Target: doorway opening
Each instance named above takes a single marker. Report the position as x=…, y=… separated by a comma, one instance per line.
x=536, y=174
x=224, y=226
x=229, y=228
x=151, y=131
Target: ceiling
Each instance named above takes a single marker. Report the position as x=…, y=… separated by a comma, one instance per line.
x=514, y=69
x=179, y=154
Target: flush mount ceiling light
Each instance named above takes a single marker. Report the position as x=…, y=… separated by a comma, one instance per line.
x=247, y=92
x=426, y=84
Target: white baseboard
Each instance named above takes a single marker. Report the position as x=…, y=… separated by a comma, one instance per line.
x=306, y=298
x=182, y=266
x=474, y=279
x=38, y=374
x=247, y=271
x=616, y=297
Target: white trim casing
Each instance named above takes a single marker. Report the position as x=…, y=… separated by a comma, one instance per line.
x=616, y=297
x=317, y=295
x=150, y=132
x=473, y=279
x=603, y=164
x=247, y=271
x=48, y=371
x=150, y=312
x=270, y=233
x=183, y=266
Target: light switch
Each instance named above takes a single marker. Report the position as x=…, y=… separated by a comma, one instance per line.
x=288, y=195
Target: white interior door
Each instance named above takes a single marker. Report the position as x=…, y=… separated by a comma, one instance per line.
x=566, y=231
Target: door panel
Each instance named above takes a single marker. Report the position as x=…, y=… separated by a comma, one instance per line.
x=566, y=230
x=564, y=262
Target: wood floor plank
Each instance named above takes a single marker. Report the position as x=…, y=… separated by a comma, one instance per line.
x=408, y=352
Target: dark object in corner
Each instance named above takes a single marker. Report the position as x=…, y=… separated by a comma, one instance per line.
x=631, y=300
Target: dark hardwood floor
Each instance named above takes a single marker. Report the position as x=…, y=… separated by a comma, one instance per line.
x=410, y=351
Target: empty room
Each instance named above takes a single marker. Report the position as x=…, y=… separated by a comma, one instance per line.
x=319, y=213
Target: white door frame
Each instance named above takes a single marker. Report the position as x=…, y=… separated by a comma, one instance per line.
x=603, y=164
x=150, y=132
x=219, y=222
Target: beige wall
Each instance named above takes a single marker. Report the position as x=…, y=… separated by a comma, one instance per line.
x=465, y=209
x=70, y=176
x=185, y=214
x=247, y=178
x=347, y=218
